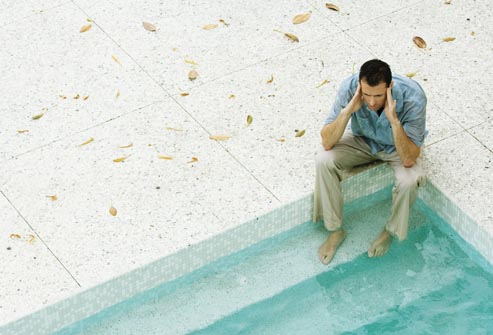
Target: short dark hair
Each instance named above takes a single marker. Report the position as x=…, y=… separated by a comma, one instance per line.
x=375, y=71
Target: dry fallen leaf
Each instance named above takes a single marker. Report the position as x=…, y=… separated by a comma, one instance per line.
x=472, y=33
x=116, y=59
x=15, y=236
x=224, y=22
x=165, y=157
x=126, y=146
x=89, y=20
x=188, y=61
x=113, y=211
x=149, y=26
x=194, y=159
x=281, y=139
x=332, y=7
x=174, y=129
x=77, y=97
x=52, y=197
x=38, y=116
x=322, y=83
x=291, y=37
x=210, y=26
x=420, y=43
x=192, y=75
x=220, y=137
x=271, y=79
x=300, y=18
x=449, y=39
x=447, y=2
x=231, y=96
x=85, y=98
x=63, y=97
x=87, y=142
x=184, y=94
x=23, y=131
x=31, y=239
x=249, y=120
x=411, y=74
x=120, y=159
x=85, y=28
x=300, y=133
x=117, y=94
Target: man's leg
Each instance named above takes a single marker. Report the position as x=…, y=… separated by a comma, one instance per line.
x=328, y=201
x=404, y=192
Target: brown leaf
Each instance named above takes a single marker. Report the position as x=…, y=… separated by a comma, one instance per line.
x=31, y=239
x=117, y=94
x=220, y=137
x=420, y=43
x=38, y=116
x=77, y=97
x=332, y=7
x=174, y=129
x=322, y=83
x=224, y=22
x=85, y=28
x=184, y=94
x=189, y=61
x=449, y=39
x=271, y=79
x=15, y=236
x=281, y=139
x=300, y=18
x=89, y=20
x=126, y=146
x=473, y=33
x=192, y=75
x=52, y=197
x=411, y=74
x=86, y=97
x=300, y=133
x=149, y=26
x=87, y=142
x=165, y=157
x=210, y=26
x=116, y=59
x=291, y=37
x=249, y=120
x=113, y=211
x=23, y=131
x=231, y=96
x=120, y=159
x=194, y=159
x=447, y=2
x=63, y=97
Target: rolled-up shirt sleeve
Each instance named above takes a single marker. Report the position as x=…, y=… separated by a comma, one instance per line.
x=414, y=122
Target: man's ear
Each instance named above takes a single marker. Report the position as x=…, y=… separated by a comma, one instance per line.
x=391, y=84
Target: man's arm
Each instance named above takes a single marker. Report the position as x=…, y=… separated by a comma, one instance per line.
x=407, y=150
x=331, y=133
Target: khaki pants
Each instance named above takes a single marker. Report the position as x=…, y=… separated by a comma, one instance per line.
x=351, y=151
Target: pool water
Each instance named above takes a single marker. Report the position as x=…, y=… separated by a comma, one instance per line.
x=432, y=283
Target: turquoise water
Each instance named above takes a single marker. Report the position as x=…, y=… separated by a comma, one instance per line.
x=432, y=283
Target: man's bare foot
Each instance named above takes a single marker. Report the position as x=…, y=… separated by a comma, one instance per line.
x=381, y=245
x=328, y=249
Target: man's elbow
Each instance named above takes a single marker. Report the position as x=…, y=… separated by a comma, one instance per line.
x=409, y=163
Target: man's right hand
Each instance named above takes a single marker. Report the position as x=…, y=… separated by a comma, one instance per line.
x=356, y=102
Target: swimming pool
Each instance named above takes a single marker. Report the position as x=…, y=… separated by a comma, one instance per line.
x=264, y=277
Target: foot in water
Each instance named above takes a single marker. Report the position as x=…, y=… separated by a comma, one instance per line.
x=381, y=245
x=328, y=249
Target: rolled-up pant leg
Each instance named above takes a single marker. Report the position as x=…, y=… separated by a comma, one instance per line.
x=328, y=200
x=404, y=193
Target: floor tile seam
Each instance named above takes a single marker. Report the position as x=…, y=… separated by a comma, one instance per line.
x=477, y=139
x=427, y=145
x=38, y=236
x=123, y=50
x=453, y=119
x=82, y=131
x=34, y=14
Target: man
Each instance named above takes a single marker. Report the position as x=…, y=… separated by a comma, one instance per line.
x=388, y=116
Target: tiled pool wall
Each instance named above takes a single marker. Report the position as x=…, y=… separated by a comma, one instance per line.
x=95, y=299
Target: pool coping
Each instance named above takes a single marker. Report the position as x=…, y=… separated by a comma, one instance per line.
x=97, y=298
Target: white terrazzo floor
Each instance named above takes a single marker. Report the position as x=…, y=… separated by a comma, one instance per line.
x=130, y=84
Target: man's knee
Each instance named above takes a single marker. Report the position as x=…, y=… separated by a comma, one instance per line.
x=326, y=159
x=409, y=179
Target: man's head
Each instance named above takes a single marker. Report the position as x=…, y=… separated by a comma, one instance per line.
x=375, y=76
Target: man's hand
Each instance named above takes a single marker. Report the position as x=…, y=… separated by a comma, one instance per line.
x=390, y=106
x=357, y=101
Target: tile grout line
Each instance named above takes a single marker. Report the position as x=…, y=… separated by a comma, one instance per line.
x=39, y=237
x=39, y=12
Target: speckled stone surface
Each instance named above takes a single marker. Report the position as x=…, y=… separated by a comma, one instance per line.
x=133, y=78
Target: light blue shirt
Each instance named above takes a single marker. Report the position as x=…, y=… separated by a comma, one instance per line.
x=376, y=130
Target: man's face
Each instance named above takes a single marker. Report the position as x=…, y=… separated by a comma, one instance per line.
x=374, y=96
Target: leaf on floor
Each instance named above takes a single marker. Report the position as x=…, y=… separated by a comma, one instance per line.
x=38, y=116
x=301, y=18
x=115, y=59
x=184, y=94
x=126, y=146
x=77, y=97
x=411, y=74
x=117, y=94
x=192, y=75
x=52, y=197
x=420, y=43
x=149, y=26
x=120, y=159
x=189, y=61
x=331, y=6
x=322, y=83
x=210, y=26
x=224, y=22
x=249, y=120
x=31, y=239
x=85, y=28
x=232, y=96
x=85, y=98
x=113, y=211
x=87, y=142
x=449, y=39
x=219, y=137
x=23, y=131
x=173, y=129
x=194, y=159
x=292, y=37
x=168, y=158
x=15, y=236
x=271, y=79
x=300, y=133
